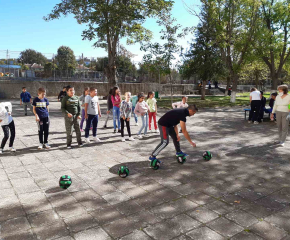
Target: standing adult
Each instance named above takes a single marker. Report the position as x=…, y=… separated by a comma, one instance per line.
x=209, y=84
x=281, y=108
x=109, y=107
x=255, y=100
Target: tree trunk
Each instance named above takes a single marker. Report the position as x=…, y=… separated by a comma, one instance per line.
x=171, y=88
x=227, y=86
x=234, y=89
x=203, y=90
x=274, y=78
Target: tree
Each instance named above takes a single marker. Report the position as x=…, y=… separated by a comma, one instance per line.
x=66, y=59
x=110, y=20
x=49, y=68
x=30, y=56
x=125, y=66
x=272, y=43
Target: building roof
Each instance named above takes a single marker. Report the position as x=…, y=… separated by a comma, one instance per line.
x=10, y=66
x=35, y=65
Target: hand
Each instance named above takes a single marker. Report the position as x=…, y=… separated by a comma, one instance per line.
x=272, y=117
x=108, y=112
x=178, y=138
x=124, y=118
x=86, y=116
x=20, y=103
x=69, y=115
x=37, y=119
x=193, y=144
x=0, y=120
x=128, y=119
x=100, y=115
x=9, y=113
x=57, y=99
x=79, y=117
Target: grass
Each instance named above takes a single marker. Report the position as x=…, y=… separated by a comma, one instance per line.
x=242, y=99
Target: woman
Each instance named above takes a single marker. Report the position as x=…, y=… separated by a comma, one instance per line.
x=282, y=110
x=255, y=99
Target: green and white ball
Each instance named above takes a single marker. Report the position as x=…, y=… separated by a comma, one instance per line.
x=65, y=181
x=207, y=156
x=123, y=171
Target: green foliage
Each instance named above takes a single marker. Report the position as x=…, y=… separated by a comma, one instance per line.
x=65, y=58
x=30, y=56
x=49, y=68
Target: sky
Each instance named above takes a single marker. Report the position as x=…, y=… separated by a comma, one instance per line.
x=23, y=27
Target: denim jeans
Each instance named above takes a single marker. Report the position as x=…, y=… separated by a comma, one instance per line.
x=144, y=124
x=116, y=117
x=92, y=120
x=135, y=116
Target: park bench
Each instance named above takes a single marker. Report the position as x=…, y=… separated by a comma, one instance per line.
x=266, y=110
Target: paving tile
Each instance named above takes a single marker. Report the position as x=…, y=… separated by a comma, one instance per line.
x=11, y=226
x=203, y=214
x=93, y=233
x=106, y=215
x=116, y=197
x=204, y=233
x=246, y=236
x=129, y=207
x=34, y=202
x=242, y=218
x=80, y=222
x=52, y=232
x=200, y=198
x=69, y=211
x=268, y=231
x=43, y=218
x=281, y=219
x=118, y=228
x=137, y=234
x=27, y=235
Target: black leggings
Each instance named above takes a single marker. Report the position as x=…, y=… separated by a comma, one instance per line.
x=255, y=110
x=164, y=134
x=43, y=128
x=6, y=128
x=123, y=126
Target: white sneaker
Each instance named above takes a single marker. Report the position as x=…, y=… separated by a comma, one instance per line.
x=47, y=146
x=123, y=139
x=249, y=121
x=12, y=149
x=157, y=131
x=1, y=150
x=68, y=147
x=87, y=140
x=145, y=135
x=96, y=139
x=150, y=131
x=131, y=139
x=256, y=122
x=137, y=124
x=40, y=146
x=282, y=144
x=140, y=136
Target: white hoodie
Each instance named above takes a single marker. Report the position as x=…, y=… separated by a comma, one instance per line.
x=5, y=116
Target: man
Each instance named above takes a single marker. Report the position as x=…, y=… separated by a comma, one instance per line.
x=168, y=126
x=62, y=94
x=25, y=99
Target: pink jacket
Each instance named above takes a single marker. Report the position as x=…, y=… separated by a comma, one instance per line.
x=141, y=108
x=116, y=99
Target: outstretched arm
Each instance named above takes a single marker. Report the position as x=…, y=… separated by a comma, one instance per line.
x=185, y=133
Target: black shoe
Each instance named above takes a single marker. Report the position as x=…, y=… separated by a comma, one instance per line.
x=105, y=126
x=25, y=114
x=119, y=131
x=114, y=130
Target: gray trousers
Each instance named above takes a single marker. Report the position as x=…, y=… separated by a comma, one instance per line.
x=25, y=104
x=109, y=115
x=72, y=124
x=283, y=125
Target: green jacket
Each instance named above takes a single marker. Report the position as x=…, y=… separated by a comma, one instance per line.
x=71, y=105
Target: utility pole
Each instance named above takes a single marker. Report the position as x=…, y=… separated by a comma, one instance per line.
x=7, y=58
x=83, y=65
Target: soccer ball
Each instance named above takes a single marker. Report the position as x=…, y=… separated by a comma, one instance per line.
x=123, y=171
x=207, y=156
x=65, y=181
x=155, y=164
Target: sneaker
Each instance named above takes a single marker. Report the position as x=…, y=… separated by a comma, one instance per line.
x=181, y=154
x=249, y=121
x=137, y=124
x=123, y=139
x=150, y=131
x=105, y=126
x=46, y=145
x=96, y=139
x=91, y=128
x=157, y=131
x=68, y=147
x=131, y=139
x=40, y=146
x=87, y=140
x=145, y=135
x=1, y=151
x=256, y=122
x=12, y=149
x=81, y=145
x=151, y=158
x=140, y=136
x=282, y=144
x=119, y=130
x=82, y=130
x=25, y=114
x=114, y=130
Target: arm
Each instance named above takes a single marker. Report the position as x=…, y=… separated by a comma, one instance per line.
x=250, y=98
x=86, y=110
x=185, y=133
x=20, y=99
x=78, y=115
x=174, y=105
x=156, y=108
x=36, y=116
x=99, y=110
x=63, y=106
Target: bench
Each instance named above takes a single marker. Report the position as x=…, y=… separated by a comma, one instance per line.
x=266, y=110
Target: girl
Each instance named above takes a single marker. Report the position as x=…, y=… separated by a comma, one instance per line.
x=126, y=110
x=141, y=110
x=116, y=100
x=82, y=100
x=7, y=124
x=109, y=107
x=151, y=101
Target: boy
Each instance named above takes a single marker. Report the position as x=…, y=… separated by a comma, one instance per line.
x=182, y=104
x=41, y=112
x=272, y=102
x=25, y=99
x=263, y=105
x=168, y=126
x=62, y=94
x=92, y=112
x=134, y=101
x=71, y=107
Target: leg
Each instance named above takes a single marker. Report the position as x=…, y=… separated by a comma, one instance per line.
x=69, y=129
x=95, y=125
x=25, y=107
x=6, y=135
x=135, y=116
x=164, y=141
x=257, y=110
x=279, y=124
x=143, y=125
x=46, y=123
x=77, y=129
x=107, y=118
x=88, y=125
x=173, y=135
x=146, y=123
x=40, y=130
x=285, y=126
x=122, y=127
x=115, y=116
x=128, y=128
x=118, y=118
x=12, y=131
x=251, y=112
x=83, y=119
x=155, y=122
x=150, y=118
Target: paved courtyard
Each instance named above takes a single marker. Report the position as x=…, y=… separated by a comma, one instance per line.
x=242, y=193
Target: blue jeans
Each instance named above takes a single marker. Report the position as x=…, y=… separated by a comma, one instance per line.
x=91, y=121
x=116, y=117
x=144, y=124
x=135, y=116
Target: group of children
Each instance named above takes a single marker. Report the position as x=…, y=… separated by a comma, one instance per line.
x=86, y=108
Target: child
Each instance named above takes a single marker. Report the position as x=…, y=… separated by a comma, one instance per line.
x=62, y=94
x=40, y=110
x=71, y=107
x=116, y=100
x=134, y=101
x=92, y=113
x=126, y=110
x=25, y=99
x=262, y=108
x=141, y=110
x=151, y=101
x=109, y=107
x=82, y=100
x=7, y=123
x=272, y=102
x=182, y=104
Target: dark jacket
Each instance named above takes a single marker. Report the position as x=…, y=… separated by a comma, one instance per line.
x=263, y=102
x=61, y=95
x=271, y=103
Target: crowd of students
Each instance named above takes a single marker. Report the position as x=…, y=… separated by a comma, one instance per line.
x=86, y=109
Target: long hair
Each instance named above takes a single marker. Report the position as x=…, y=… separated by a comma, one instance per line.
x=114, y=91
x=149, y=93
x=111, y=91
x=140, y=95
x=85, y=89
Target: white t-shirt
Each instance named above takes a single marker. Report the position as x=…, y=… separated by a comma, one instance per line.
x=93, y=104
x=5, y=116
x=256, y=95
